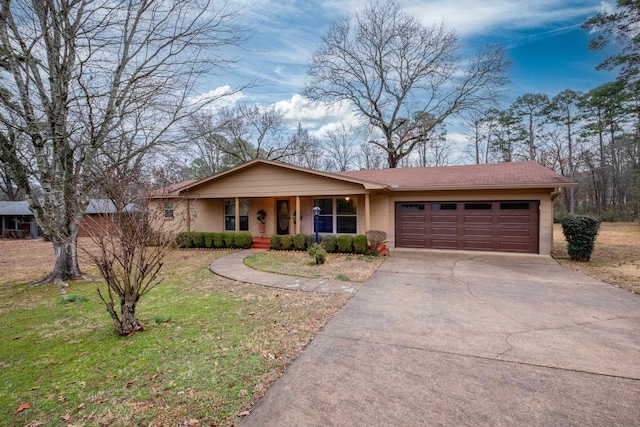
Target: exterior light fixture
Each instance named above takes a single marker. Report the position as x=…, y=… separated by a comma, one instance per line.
x=316, y=218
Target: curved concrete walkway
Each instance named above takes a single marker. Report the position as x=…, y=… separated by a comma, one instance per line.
x=233, y=267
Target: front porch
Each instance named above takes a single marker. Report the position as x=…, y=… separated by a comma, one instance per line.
x=344, y=214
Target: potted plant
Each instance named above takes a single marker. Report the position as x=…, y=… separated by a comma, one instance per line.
x=261, y=219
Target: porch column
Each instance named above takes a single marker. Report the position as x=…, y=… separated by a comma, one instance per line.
x=367, y=213
x=237, y=214
x=298, y=225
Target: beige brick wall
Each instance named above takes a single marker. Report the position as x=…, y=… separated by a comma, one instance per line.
x=208, y=214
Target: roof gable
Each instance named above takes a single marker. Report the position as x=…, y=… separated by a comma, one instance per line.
x=263, y=178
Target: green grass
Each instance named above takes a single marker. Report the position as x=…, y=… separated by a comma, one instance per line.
x=203, y=353
x=358, y=268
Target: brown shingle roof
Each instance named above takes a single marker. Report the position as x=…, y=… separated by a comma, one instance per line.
x=165, y=191
x=496, y=175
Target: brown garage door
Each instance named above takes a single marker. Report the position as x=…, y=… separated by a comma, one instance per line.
x=505, y=226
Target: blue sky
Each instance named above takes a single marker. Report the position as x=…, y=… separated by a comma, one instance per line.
x=548, y=49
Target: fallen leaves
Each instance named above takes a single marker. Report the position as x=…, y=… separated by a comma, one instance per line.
x=22, y=407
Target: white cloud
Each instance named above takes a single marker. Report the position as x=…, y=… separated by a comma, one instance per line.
x=606, y=7
x=222, y=96
x=469, y=17
x=315, y=117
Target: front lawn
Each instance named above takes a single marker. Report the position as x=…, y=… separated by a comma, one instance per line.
x=346, y=267
x=211, y=347
x=615, y=259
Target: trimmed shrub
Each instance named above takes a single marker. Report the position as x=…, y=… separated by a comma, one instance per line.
x=287, y=242
x=185, y=240
x=198, y=239
x=15, y=234
x=208, y=240
x=580, y=232
x=276, y=242
x=181, y=240
x=311, y=240
x=360, y=245
x=318, y=253
x=376, y=238
x=345, y=244
x=242, y=240
x=300, y=242
x=330, y=243
x=218, y=240
x=229, y=238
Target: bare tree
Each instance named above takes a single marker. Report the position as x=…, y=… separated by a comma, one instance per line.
x=81, y=77
x=391, y=67
x=342, y=145
x=207, y=148
x=481, y=128
x=371, y=156
x=433, y=151
x=305, y=150
x=253, y=131
x=8, y=189
x=127, y=253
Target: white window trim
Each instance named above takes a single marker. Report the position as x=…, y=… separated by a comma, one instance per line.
x=224, y=216
x=334, y=214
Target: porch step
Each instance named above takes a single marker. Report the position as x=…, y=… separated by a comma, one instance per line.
x=261, y=243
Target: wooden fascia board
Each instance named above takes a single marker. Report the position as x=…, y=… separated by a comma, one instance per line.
x=550, y=186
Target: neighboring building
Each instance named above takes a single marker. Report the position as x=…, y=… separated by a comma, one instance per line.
x=493, y=207
x=18, y=216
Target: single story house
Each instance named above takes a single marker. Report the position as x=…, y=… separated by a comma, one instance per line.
x=16, y=215
x=490, y=207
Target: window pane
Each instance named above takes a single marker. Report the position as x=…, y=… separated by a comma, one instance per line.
x=346, y=224
x=346, y=207
x=168, y=210
x=229, y=223
x=515, y=205
x=413, y=207
x=229, y=208
x=244, y=223
x=244, y=208
x=326, y=205
x=325, y=224
x=477, y=206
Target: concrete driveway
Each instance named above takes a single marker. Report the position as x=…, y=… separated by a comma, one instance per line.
x=468, y=339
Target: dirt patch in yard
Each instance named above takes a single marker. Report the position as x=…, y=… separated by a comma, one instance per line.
x=615, y=259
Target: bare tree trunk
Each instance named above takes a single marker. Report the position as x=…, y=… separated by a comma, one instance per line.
x=66, y=265
x=128, y=324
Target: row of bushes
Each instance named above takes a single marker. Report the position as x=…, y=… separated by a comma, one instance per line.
x=332, y=244
x=226, y=240
x=15, y=234
x=610, y=215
